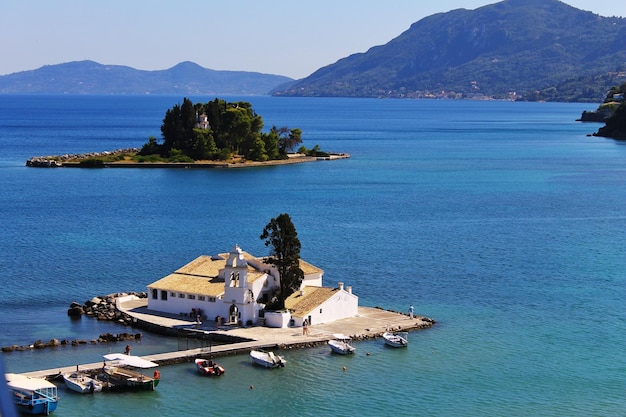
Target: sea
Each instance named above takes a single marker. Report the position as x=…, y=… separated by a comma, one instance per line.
x=505, y=222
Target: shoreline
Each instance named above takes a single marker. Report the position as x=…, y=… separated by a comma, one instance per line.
x=74, y=161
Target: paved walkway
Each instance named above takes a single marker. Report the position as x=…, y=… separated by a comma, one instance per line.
x=369, y=323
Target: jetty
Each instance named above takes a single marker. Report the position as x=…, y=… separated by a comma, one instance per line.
x=371, y=322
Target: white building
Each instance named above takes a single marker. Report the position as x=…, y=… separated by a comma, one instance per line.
x=236, y=286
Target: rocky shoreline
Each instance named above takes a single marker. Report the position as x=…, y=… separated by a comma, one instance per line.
x=76, y=161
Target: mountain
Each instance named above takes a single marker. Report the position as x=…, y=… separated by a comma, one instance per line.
x=88, y=77
x=499, y=50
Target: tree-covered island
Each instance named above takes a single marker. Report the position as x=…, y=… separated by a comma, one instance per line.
x=205, y=134
x=217, y=130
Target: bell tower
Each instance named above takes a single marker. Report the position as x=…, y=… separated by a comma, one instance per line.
x=236, y=270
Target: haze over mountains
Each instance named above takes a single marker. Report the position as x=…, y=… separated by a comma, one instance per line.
x=88, y=77
x=530, y=49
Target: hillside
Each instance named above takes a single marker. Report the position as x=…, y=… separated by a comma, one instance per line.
x=88, y=77
x=502, y=50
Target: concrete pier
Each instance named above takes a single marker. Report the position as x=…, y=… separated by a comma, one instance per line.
x=369, y=323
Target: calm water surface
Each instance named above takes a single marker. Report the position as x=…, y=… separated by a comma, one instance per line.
x=502, y=221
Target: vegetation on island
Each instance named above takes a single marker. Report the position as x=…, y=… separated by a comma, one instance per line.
x=613, y=99
x=615, y=125
x=218, y=130
x=281, y=235
x=505, y=50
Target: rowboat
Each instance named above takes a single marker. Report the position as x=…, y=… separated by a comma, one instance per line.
x=32, y=395
x=340, y=344
x=122, y=373
x=208, y=367
x=396, y=339
x=267, y=359
x=81, y=382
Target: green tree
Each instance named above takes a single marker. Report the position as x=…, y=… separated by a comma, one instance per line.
x=281, y=235
x=288, y=139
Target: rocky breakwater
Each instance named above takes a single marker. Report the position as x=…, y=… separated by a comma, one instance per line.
x=104, y=308
x=100, y=308
x=54, y=161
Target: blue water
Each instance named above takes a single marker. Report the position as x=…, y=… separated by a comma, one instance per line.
x=502, y=221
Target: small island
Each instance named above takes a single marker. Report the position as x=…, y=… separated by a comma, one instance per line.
x=217, y=134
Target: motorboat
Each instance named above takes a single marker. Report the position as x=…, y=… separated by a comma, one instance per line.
x=341, y=344
x=267, y=359
x=396, y=339
x=32, y=395
x=209, y=367
x=123, y=373
x=81, y=382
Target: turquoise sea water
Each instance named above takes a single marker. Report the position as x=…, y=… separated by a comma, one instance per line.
x=502, y=221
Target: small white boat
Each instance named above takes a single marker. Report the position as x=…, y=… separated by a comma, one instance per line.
x=81, y=382
x=341, y=344
x=267, y=359
x=32, y=395
x=396, y=339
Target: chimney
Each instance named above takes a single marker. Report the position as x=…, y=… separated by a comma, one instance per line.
x=340, y=284
x=349, y=289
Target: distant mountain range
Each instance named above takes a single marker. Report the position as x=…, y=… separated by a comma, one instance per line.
x=541, y=49
x=89, y=77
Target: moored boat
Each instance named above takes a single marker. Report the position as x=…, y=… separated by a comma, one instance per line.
x=267, y=359
x=32, y=395
x=208, y=367
x=81, y=382
x=396, y=339
x=341, y=344
x=122, y=373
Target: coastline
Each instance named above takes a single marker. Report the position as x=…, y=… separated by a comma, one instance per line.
x=74, y=161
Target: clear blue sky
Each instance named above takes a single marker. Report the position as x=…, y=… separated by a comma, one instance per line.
x=285, y=37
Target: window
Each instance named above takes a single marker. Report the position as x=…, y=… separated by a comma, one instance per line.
x=181, y=295
x=191, y=296
x=155, y=293
x=201, y=298
x=164, y=295
x=173, y=294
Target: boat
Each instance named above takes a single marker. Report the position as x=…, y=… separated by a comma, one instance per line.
x=396, y=339
x=32, y=395
x=81, y=382
x=267, y=359
x=208, y=367
x=122, y=373
x=341, y=344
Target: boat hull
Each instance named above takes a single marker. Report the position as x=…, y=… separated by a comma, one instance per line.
x=121, y=379
x=395, y=341
x=81, y=383
x=267, y=359
x=342, y=348
x=208, y=368
x=32, y=395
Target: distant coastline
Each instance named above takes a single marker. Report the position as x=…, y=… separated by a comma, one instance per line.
x=126, y=161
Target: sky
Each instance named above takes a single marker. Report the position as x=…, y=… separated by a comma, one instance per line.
x=293, y=38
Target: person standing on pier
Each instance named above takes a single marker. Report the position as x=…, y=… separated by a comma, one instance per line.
x=411, y=311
